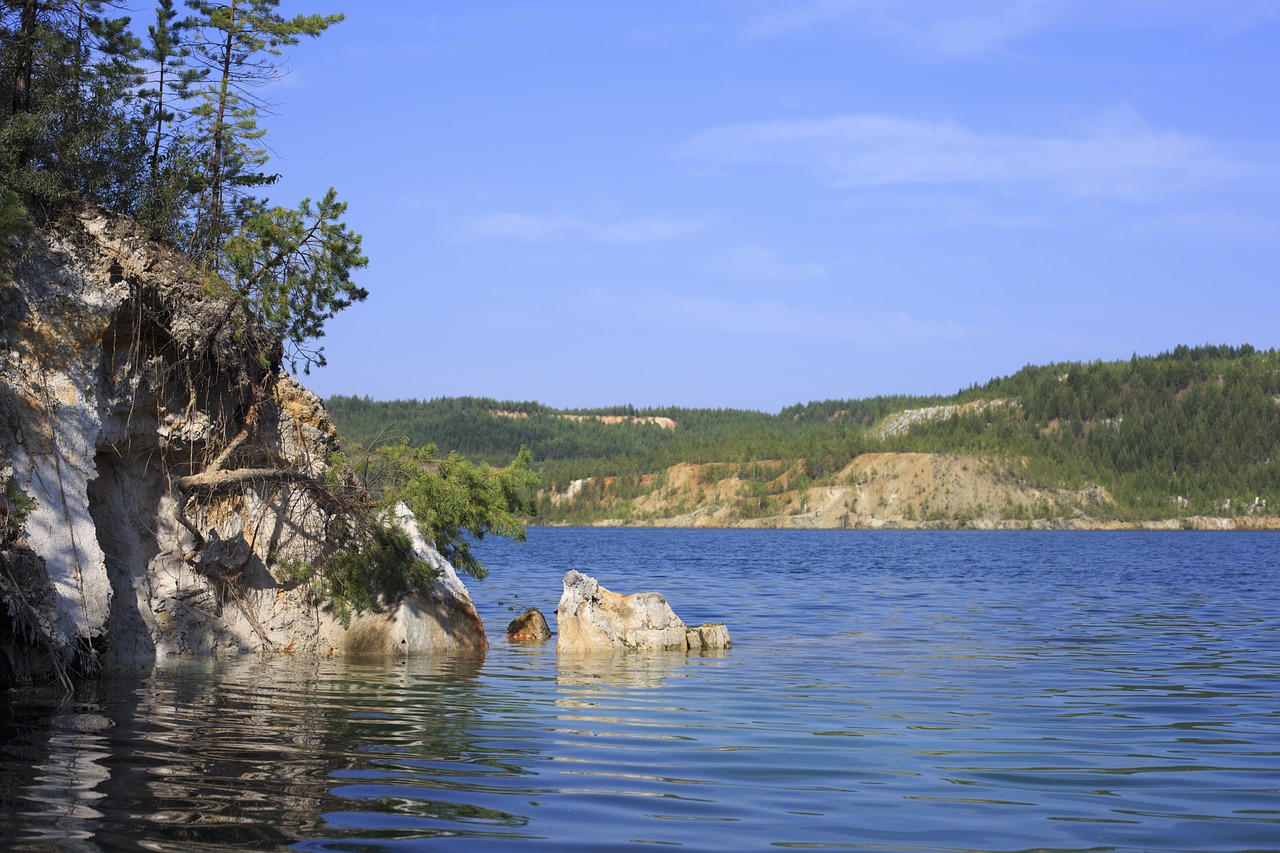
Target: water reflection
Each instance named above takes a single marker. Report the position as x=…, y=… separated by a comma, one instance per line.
x=948, y=709
x=226, y=755
x=620, y=670
x=65, y=751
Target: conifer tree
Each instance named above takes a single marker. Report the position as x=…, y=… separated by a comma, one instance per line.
x=178, y=145
x=67, y=127
x=239, y=44
x=172, y=172
x=292, y=268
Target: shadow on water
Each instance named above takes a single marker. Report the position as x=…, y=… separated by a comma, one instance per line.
x=266, y=753
x=230, y=755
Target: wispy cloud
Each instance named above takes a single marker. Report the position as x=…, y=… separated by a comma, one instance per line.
x=961, y=28
x=1226, y=224
x=777, y=318
x=1113, y=160
x=753, y=262
x=944, y=27
x=535, y=228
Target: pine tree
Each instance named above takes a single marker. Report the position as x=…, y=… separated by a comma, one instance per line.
x=172, y=172
x=239, y=44
x=68, y=128
x=292, y=268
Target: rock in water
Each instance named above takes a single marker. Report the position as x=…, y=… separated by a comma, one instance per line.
x=529, y=627
x=708, y=638
x=442, y=619
x=591, y=618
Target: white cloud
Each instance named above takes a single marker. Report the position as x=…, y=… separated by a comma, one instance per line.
x=945, y=27
x=533, y=228
x=958, y=28
x=1113, y=160
x=759, y=263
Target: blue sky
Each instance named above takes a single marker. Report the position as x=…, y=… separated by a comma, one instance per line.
x=754, y=203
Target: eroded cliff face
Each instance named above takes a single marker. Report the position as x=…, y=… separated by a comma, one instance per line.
x=875, y=490
x=122, y=377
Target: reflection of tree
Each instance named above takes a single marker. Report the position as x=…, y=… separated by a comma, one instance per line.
x=232, y=755
x=262, y=753
x=53, y=755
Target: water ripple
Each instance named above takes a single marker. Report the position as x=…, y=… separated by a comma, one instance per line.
x=939, y=692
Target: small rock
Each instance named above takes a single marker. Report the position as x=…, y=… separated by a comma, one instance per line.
x=708, y=638
x=529, y=627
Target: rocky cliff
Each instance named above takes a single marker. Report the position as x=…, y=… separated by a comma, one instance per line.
x=875, y=490
x=172, y=468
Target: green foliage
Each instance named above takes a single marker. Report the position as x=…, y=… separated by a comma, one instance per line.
x=14, y=219
x=168, y=132
x=568, y=448
x=292, y=268
x=66, y=127
x=376, y=564
x=455, y=501
x=237, y=43
x=15, y=506
x=1197, y=423
x=172, y=164
x=1182, y=432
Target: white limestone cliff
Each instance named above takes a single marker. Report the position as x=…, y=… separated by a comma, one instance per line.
x=120, y=376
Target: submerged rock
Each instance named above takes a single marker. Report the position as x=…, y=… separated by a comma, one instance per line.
x=529, y=627
x=592, y=618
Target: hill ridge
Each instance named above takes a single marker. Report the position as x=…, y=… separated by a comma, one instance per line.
x=1192, y=432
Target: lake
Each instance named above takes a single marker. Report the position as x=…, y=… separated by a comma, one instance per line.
x=889, y=691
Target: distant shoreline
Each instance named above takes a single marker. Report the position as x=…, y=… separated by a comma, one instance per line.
x=1191, y=523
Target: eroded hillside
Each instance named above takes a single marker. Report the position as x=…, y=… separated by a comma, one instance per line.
x=1168, y=440
x=875, y=490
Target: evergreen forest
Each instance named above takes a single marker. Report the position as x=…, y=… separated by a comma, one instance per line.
x=1195, y=430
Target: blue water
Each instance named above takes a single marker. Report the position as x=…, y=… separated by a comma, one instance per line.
x=895, y=691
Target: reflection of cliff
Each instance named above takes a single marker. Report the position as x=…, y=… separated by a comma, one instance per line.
x=56, y=757
x=253, y=753
x=181, y=760
x=171, y=465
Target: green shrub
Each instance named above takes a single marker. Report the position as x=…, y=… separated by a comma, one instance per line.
x=14, y=509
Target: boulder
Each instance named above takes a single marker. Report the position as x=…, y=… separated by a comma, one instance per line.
x=529, y=627
x=439, y=620
x=591, y=618
x=708, y=638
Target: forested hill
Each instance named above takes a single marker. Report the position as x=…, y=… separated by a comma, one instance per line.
x=1181, y=432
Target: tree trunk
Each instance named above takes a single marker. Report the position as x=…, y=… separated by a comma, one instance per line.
x=219, y=132
x=155, y=150
x=25, y=59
